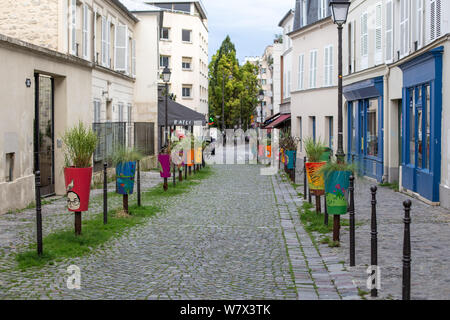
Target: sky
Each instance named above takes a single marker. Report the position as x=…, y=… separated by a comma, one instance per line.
x=251, y=24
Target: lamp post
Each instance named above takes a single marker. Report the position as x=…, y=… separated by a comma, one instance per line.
x=339, y=9
x=166, y=78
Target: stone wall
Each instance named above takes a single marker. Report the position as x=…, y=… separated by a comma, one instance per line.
x=34, y=21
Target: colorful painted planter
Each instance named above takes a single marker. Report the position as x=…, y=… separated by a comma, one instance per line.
x=125, y=173
x=78, y=188
x=199, y=155
x=315, y=179
x=164, y=163
x=290, y=158
x=269, y=152
x=336, y=189
x=191, y=157
x=283, y=159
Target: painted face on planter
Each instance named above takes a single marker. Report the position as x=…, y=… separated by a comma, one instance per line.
x=73, y=201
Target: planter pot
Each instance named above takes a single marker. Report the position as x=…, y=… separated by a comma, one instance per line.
x=336, y=189
x=269, y=151
x=190, y=160
x=199, y=155
x=260, y=150
x=315, y=180
x=325, y=155
x=164, y=162
x=283, y=159
x=78, y=188
x=125, y=173
x=290, y=158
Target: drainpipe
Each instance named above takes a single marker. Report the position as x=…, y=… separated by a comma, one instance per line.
x=386, y=125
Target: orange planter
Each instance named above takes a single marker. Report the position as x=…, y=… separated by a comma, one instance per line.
x=191, y=155
x=315, y=179
x=269, y=152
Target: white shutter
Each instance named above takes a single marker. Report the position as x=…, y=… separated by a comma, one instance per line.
x=95, y=36
x=435, y=19
x=104, y=42
x=404, y=27
x=311, y=70
x=133, y=58
x=108, y=43
x=419, y=23
x=389, y=32
x=378, y=35
x=326, y=67
x=85, y=32
x=301, y=68
x=73, y=26
x=315, y=69
x=120, y=57
x=364, y=41
x=330, y=66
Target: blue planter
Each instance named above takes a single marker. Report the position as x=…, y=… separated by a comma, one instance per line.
x=125, y=173
x=290, y=154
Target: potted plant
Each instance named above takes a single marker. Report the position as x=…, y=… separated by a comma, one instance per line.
x=314, y=152
x=337, y=181
x=290, y=150
x=124, y=159
x=79, y=146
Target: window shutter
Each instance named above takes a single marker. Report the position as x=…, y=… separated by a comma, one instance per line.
x=330, y=65
x=108, y=43
x=404, y=27
x=389, y=32
x=133, y=57
x=85, y=31
x=364, y=41
x=300, y=71
x=73, y=26
x=121, y=48
x=104, y=41
x=435, y=19
x=419, y=23
x=311, y=70
x=378, y=36
x=326, y=67
x=95, y=36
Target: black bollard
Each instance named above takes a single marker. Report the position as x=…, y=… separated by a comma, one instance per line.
x=185, y=171
x=78, y=223
x=294, y=170
x=326, y=210
x=406, y=287
x=373, y=239
x=105, y=193
x=305, y=180
x=174, y=183
x=352, y=220
x=38, y=212
x=139, y=183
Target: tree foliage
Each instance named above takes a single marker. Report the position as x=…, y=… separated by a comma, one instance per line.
x=237, y=86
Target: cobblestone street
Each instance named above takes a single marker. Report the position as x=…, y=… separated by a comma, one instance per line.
x=237, y=235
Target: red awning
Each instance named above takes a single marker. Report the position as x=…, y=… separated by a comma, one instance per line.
x=280, y=120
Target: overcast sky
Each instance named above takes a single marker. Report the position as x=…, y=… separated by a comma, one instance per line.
x=251, y=24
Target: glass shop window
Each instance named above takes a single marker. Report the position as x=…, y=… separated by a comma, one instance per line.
x=412, y=126
x=428, y=128
x=372, y=128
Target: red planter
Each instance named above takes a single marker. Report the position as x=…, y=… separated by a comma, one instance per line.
x=164, y=161
x=78, y=188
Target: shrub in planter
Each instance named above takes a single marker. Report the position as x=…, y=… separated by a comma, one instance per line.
x=314, y=151
x=79, y=146
x=337, y=181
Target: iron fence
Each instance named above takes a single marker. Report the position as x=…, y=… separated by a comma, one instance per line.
x=113, y=135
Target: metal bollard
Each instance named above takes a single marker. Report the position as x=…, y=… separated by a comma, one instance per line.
x=352, y=220
x=185, y=171
x=326, y=210
x=138, y=183
x=373, y=238
x=105, y=193
x=305, y=182
x=174, y=183
x=38, y=212
x=406, y=287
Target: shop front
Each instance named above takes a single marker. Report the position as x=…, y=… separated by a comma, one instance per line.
x=365, y=126
x=421, y=133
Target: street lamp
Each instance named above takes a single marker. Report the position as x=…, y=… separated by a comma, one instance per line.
x=166, y=78
x=339, y=9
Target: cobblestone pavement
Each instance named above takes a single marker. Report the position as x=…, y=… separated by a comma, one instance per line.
x=237, y=235
x=430, y=243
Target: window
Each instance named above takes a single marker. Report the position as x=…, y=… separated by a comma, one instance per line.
x=185, y=7
x=133, y=58
x=378, y=35
x=313, y=127
x=105, y=46
x=323, y=6
x=428, y=126
x=353, y=113
x=85, y=32
x=328, y=66
x=9, y=167
x=412, y=126
x=187, y=91
x=129, y=113
x=312, y=68
x=186, y=35
x=435, y=19
x=164, y=61
x=351, y=47
x=364, y=41
x=187, y=63
x=389, y=32
x=165, y=33
x=263, y=82
x=120, y=112
x=263, y=70
x=121, y=45
x=419, y=23
x=97, y=104
x=301, y=71
x=372, y=128
x=304, y=13
x=329, y=126
x=404, y=27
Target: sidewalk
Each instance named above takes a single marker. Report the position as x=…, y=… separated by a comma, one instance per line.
x=430, y=243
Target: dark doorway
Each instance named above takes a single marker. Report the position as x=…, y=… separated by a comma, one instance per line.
x=44, y=149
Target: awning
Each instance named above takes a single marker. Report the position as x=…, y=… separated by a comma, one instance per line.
x=271, y=119
x=178, y=114
x=283, y=118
